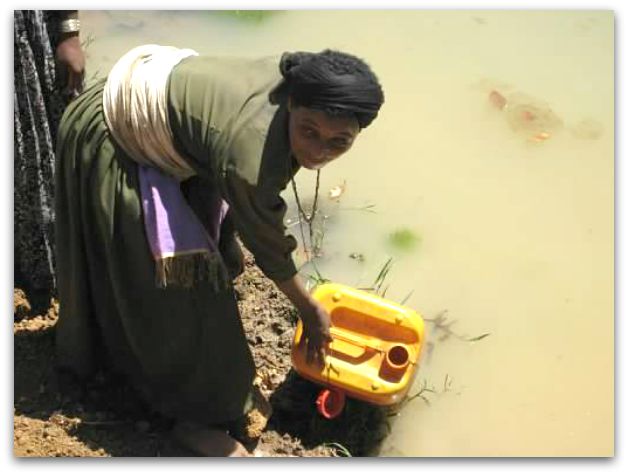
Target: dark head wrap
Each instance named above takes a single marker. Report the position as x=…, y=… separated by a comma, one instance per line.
x=334, y=82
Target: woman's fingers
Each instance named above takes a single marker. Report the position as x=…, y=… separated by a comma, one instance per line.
x=316, y=349
x=75, y=82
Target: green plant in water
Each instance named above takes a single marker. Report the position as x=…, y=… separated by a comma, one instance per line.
x=404, y=239
x=405, y=299
x=316, y=279
x=443, y=325
x=253, y=16
x=422, y=393
x=377, y=285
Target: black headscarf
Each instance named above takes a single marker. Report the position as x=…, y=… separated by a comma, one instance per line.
x=332, y=80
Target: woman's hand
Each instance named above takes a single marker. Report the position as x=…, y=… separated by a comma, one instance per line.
x=315, y=319
x=70, y=65
x=316, y=335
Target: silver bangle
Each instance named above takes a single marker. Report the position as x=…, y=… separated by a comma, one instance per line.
x=71, y=25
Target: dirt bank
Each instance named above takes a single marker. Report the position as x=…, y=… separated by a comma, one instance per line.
x=106, y=418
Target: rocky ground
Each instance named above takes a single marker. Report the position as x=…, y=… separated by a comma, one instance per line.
x=106, y=418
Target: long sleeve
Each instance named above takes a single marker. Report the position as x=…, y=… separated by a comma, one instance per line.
x=258, y=215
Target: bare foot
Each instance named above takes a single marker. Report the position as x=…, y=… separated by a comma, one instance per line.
x=250, y=426
x=207, y=442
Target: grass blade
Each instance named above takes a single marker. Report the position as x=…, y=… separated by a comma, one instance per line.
x=405, y=299
x=478, y=338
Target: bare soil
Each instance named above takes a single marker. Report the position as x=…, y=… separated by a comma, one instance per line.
x=105, y=418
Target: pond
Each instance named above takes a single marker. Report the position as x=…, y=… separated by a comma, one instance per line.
x=488, y=178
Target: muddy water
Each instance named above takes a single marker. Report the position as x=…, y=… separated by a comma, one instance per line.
x=514, y=236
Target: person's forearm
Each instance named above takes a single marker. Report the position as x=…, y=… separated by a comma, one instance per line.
x=293, y=289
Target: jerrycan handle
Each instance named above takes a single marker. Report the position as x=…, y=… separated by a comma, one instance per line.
x=362, y=342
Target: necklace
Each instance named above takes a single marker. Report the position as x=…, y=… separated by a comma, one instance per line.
x=303, y=216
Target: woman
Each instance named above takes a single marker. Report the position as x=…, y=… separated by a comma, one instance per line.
x=158, y=167
x=48, y=72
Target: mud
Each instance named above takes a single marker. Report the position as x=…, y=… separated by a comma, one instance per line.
x=105, y=418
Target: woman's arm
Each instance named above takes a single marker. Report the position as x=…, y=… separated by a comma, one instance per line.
x=69, y=53
x=315, y=318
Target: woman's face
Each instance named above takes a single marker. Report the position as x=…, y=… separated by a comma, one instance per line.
x=317, y=138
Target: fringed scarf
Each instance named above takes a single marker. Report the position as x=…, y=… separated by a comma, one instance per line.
x=136, y=113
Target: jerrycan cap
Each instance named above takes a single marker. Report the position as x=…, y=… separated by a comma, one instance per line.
x=330, y=402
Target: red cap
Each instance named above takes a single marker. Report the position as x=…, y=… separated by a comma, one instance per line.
x=330, y=403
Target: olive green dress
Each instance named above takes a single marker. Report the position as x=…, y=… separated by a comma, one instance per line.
x=183, y=349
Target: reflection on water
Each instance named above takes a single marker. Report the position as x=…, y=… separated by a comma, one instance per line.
x=515, y=237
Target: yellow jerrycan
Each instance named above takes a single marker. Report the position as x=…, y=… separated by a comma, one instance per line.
x=374, y=352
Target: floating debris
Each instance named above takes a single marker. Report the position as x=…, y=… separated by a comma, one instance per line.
x=357, y=256
x=497, y=99
x=530, y=117
x=533, y=118
x=337, y=191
